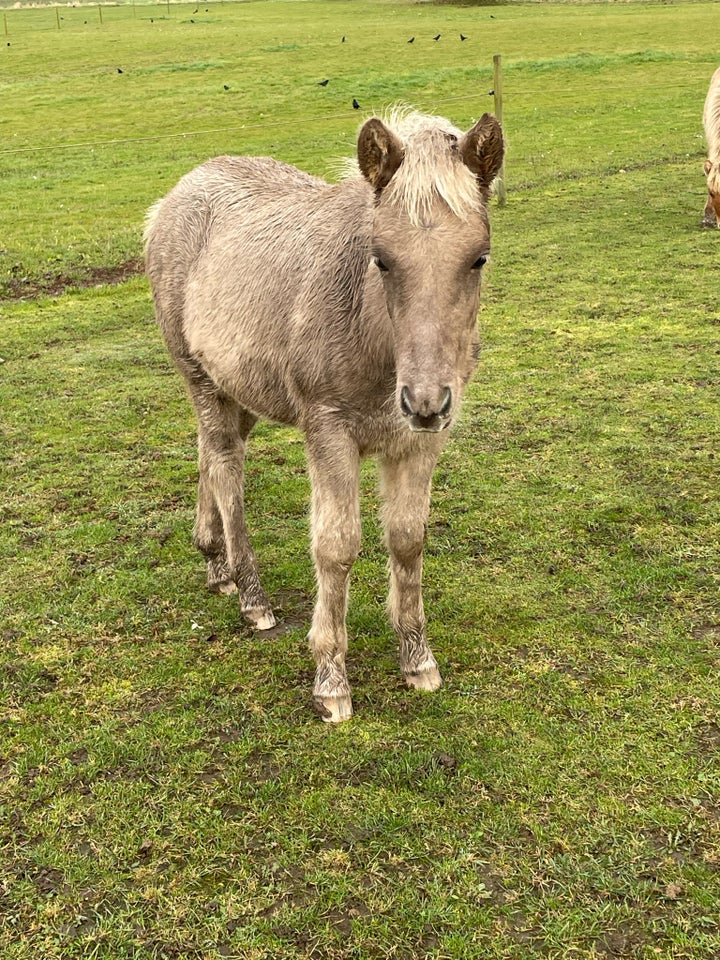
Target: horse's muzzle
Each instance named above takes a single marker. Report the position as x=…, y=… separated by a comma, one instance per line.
x=425, y=414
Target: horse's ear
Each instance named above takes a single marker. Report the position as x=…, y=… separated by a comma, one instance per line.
x=707, y=166
x=380, y=153
x=482, y=150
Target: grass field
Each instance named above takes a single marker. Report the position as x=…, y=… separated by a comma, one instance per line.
x=165, y=791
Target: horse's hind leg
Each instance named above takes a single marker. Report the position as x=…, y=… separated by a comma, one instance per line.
x=209, y=535
x=220, y=531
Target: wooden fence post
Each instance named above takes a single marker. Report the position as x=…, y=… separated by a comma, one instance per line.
x=6, y=26
x=500, y=188
x=57, y=17
x=100, y=12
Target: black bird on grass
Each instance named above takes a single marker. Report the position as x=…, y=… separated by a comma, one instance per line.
x=411, y=40
x=225, y=87
x=324, y=83
x=437, y=37
x=343, y=40
x=356, y=105
x=463, y=37
x=119, y=70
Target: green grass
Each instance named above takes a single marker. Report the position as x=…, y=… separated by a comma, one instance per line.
x=165, y=790
x=628, y=77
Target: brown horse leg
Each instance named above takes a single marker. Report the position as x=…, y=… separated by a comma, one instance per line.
x=406, y=493
x=333, y=462
x=710, y=218
x=220, y=531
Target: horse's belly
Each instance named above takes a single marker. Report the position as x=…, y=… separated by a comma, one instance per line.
x=244, y=367
x=254, y=386
x=235, y=328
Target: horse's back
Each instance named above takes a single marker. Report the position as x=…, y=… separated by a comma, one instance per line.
x=224, y=189
x=247, y=258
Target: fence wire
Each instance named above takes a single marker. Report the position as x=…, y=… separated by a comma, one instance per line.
x=268, y=124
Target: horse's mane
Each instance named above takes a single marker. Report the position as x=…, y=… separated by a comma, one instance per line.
x=431, y=168
x=711, y=118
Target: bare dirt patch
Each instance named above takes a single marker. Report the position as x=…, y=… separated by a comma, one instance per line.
x=55, y=284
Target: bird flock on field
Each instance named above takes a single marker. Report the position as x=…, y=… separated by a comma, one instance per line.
x=355, y=104
x=326, y=81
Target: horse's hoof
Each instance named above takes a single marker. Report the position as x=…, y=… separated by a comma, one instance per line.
x=333, y=709
x=259, y=618
x=424, y=680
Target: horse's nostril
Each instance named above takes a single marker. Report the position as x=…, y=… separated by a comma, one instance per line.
x=428, y=408
x=446, y=404
x=405, y=402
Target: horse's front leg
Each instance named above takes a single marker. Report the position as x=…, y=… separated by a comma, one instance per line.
x=710, y=219
x=406, y=495
x=334, y=474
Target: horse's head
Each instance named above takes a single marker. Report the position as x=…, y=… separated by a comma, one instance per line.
x=712, y=172
x=431, y=239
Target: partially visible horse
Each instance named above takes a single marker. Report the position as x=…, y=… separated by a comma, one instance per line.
x=711, y=122
x=348, y=310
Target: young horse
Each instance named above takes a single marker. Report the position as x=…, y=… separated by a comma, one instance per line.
x=711, y=122
x=348, y=310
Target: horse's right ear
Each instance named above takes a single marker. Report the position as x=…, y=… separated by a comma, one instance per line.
x=707, y=166
x=380, y=153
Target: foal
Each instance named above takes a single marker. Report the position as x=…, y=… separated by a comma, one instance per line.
x=348, y=310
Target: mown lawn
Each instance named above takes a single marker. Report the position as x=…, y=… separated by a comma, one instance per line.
x=165, y=790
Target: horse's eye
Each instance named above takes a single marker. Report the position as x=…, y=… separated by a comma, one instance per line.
x=380, y=265
x=479, y=263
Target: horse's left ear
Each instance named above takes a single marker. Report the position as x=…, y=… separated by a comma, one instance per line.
x=380, y=153
x=707, y=167
x=482, y=150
